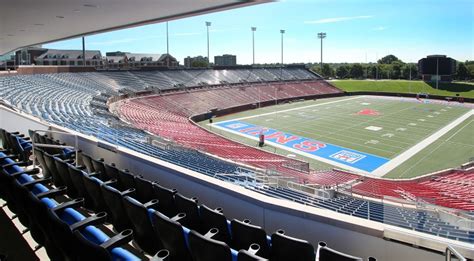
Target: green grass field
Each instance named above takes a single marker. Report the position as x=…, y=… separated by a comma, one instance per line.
x=403, y=86
x=403, y=124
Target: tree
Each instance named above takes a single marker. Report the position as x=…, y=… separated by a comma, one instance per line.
x=462, y=73
x=327, y=71
x=406, y=68
x=357, y=71
x=199, y=64
x=372, y=72
x=342, y=72
x=396, y=70
x=470, y=69
x=389, y=59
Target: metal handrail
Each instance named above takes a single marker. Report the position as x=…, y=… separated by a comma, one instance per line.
x=450, y=251
x=76, y=142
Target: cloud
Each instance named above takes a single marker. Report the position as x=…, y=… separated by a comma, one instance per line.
x=379, y=28
x=338, y=19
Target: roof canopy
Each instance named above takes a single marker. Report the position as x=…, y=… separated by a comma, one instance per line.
x=25, y=22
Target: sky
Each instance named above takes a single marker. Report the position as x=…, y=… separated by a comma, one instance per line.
x=357, y=31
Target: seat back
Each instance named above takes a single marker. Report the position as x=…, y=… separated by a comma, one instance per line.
x=77, y=178
x=63, y=171
x=213, y=218
x=92, y=186
x=87, y=160
x=114, y=201
x=145, y=190
x=207, y=249
x=111, y=172
x=126, y=179
x=50, y=162
x=289, y=248
x=90, y=250
x=173, y=238
x=99, y=168
x=166, y=198
x=63, y=235
x=144, y=234
x=189, y=207
x=39, y=154
x=244, y=234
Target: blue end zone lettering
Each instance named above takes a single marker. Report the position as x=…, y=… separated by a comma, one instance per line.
x=355, y=159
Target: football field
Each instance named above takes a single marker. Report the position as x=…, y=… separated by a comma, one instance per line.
x=380, y=136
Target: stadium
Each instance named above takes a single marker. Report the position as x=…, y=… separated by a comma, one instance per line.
x=229, y=163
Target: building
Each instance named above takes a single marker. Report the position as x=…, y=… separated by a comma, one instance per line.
x=197, y=61
x=120, y=59
x=225, y=60
x=437, y=67
x=69, y=58
x=7, y=61
x=28, y=55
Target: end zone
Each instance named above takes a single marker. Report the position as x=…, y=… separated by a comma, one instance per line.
x=332, y=154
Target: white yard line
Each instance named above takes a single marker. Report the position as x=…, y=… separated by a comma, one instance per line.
x=292, y=109
x=454, y=134
x=283, y=147
x=395, y=162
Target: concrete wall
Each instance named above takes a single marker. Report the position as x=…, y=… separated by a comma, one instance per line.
x=53, y=69
x=345, y=233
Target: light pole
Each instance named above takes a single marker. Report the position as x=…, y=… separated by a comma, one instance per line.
x=208, y=58
x=253, y=44
x=167, y=46
x=437, y=72
x=282, y=32
x=321, y=36
x=83, y=51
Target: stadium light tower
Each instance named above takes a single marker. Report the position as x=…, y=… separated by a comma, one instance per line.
x=208, y=58
x=282, y=32
x=437, y=72
x=167, y=46
x=83, y=51
x=321, y=36
x=253, y=44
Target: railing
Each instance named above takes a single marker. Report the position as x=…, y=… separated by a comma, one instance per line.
x=451, y=251
x=34, y=144
x=258, y=179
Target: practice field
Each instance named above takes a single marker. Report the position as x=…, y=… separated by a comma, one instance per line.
x=380, y=136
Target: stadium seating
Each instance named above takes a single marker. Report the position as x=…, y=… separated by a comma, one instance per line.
x=69, y=231
x=167, y=116
x=54, y=217
x=453, y=190
x=64, y=99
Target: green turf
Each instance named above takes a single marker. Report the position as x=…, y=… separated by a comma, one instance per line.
x=452, y=149
x=403, y=86
x=338, y=123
